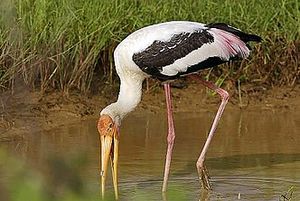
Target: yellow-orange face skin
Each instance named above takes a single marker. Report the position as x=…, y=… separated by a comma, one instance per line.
x=109, y=137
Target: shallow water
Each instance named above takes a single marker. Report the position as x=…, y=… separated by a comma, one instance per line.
x=254, y=155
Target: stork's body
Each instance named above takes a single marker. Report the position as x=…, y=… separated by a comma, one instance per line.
x=167, y=51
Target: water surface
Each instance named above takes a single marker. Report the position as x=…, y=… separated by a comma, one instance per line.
x=254, y=155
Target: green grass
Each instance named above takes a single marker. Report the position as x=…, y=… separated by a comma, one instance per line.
x=65, y=44
x=60, y=180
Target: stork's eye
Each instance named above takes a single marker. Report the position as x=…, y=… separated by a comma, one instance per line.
x=110, y=126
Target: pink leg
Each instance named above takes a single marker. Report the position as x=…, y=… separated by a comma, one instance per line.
x=171, y=135
x=203, y=176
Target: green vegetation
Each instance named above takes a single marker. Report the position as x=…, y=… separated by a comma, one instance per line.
x=287, y=196
x=60, y=180
x=68, y=44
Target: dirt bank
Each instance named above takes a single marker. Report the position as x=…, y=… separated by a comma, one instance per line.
x=26, y=111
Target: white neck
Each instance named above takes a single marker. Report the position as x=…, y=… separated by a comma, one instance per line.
x=129, y=97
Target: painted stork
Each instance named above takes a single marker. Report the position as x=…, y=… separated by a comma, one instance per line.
x=167, y=51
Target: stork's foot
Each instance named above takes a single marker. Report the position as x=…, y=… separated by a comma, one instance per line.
x=204, y=177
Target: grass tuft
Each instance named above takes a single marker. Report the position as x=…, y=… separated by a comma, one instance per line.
x=65, y=44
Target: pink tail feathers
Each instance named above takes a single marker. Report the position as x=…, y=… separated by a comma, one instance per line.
x=230, y=44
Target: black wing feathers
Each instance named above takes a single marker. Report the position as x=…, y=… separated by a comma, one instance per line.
x=163, y=53
x=243, y=36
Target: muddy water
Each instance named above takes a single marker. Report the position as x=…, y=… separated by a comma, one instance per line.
x=254, y=155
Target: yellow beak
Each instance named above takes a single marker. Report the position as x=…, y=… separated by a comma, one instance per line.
x=109, y=150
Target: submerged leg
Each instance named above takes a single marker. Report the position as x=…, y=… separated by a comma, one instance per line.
x=202, y=172
x=171, y=135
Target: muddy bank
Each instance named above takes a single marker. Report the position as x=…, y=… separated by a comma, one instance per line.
x=26, y=111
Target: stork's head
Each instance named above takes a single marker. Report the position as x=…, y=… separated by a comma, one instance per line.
x=109, y=136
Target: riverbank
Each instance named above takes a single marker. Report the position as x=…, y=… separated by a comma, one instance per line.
x=28, y=111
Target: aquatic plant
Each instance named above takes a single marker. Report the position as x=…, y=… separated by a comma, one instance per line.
x=288, y=195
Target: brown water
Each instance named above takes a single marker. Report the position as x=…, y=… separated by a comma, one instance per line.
x=254, y=155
